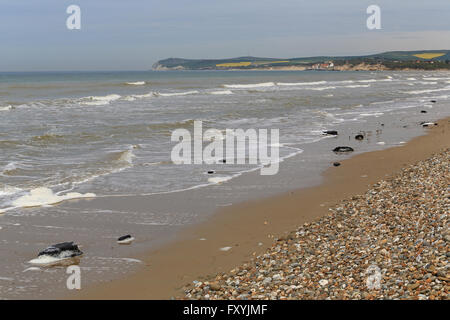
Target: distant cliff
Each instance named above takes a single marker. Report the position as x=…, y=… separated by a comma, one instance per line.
x=394, y=60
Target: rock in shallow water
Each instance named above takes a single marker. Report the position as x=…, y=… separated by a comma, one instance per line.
x=65, y=249
x=343, y=149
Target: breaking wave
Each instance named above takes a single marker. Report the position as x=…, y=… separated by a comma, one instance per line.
x=100, y=100
x=300, y=83
x=428, y=91
x=226, y=92
x=137, y=83
x=250, y=86
x=177, y=93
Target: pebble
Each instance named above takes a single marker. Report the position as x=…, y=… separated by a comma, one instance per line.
x=390, y=243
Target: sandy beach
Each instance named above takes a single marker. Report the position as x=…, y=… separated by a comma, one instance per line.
x=239, y=236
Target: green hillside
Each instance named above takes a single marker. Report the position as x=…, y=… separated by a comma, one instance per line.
x=401, y=59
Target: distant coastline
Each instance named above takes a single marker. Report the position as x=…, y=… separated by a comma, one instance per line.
x=436, y=60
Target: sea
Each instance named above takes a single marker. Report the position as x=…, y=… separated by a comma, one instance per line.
x=95, y=135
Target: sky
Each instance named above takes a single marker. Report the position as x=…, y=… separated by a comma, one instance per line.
x=133, y=34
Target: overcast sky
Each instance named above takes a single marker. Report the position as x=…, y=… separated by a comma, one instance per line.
x=133, y=34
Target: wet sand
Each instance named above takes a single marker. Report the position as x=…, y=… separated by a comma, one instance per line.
x=249, y=228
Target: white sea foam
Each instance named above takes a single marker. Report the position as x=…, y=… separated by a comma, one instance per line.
x=434, y=78
x=250, y=86
x=218, y=180
x=44, y=196
x=178, y=93
x=368, y=80
x=300, y=83
x=8, y=190
x=141, y=96
x=126, y=241
x=10, y=167
x=137, y=83
x=226, y=92
x=32, y=269
x=428, y=91
x=323, y=88
x=100, y=100
x=344, y=81
x=6, y=108
x=358, y=86
x=46, y=260
x=374, y=114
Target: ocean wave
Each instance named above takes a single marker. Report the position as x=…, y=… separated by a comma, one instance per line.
x=250, y=86
x=434, y=78
x=368, y=80
x=177, y=93
x=137, y=83
x=217, y=180
x=374, y=114
x=323, y=88
x=221, y=92
x=358, y=86
x=166, y=94
x=6, y=108
x=44, y=196
x=100, y=100
x=343, y=81
x=140, y=96
x=8, y=190
x=47, y=138
x=426, y=82
x=125, y=156
x=300, y=83
x=9, y=169
x=329, y=116
x=428, y=91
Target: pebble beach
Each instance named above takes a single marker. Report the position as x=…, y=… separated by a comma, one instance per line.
x=391, y=242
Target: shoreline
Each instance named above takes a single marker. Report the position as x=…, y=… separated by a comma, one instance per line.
x=242, y=227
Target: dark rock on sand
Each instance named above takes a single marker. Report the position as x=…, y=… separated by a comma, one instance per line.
x=359, y=137
x=65, y=249
x=343, y=149
x=331, y=132
x=128, y=236
x=125, y=239
x=336, y=164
